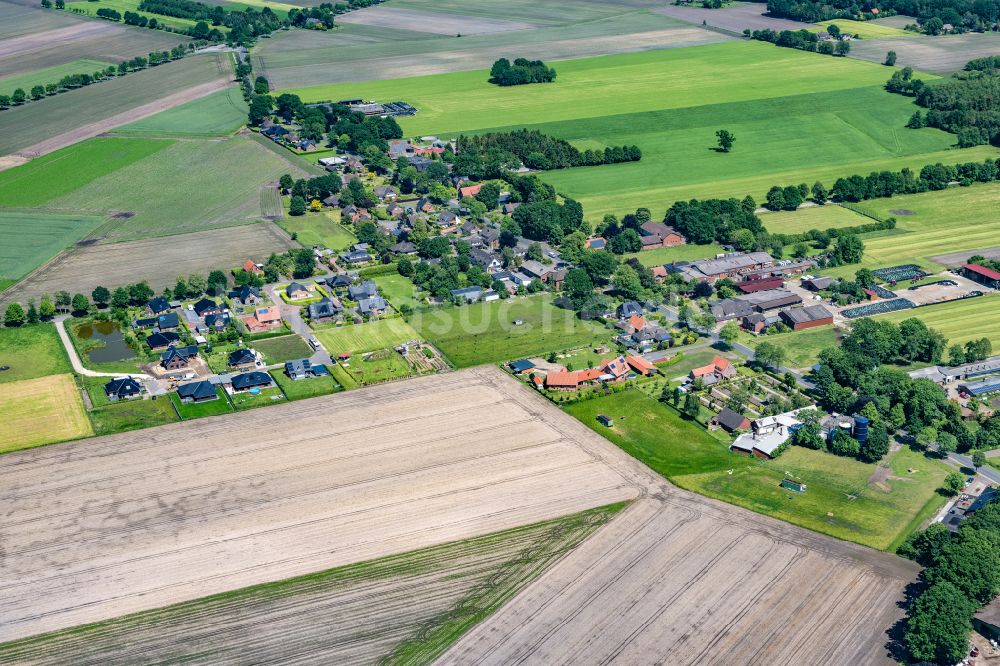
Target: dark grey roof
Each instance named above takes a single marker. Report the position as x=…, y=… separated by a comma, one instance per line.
x=366, y=289
x=242, y=356
x=251, y=379
x=729, y=419
x=123, y=386
x=205, y=305
x=159, y=304
x=805, y=315
x=197, y=390
x=183, y=353
x=324, y=308
x=629, y=308
x=372, y=304
x=169, y=320
x=157, y=340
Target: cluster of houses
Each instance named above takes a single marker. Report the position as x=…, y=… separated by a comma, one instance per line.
x=609, y=371
x=368, y=303
x=636, y=332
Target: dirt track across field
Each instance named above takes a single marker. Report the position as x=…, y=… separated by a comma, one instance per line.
x=118, y=524
x=958, y=258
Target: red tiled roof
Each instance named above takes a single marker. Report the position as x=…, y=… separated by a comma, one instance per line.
x=638, y=322
x=988, y=273
x=639, y=364
x=471, y=190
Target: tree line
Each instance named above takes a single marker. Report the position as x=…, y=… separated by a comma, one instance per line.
x=539, y=151
x=962, y=15
x=521, y=72
x=804, y=40
x=71, y=81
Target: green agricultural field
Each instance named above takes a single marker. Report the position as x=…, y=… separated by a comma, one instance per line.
x=841, y=499
x=282, y=348
x=188, y=186
x=42, y=77
x=196, y=410
x=53, y=175
x=218, y=114
x=305, y=388
x=952, y=220
x=666, y=255
x=131, y=415
x=398, y=290
x=485, y=332
x=28, y=240
x=30, y=124
x=358, y=338
x=321, y=228
x=31, y=351
x=91, y=6
x=812, y=217
x=801, y=348
x=866, y=29
x=959, y=321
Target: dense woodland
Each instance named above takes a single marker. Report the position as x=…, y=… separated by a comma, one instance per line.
x=521, y=72
x=536, y=151
x=962, y=15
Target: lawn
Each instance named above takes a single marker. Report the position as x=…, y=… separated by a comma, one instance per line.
x=801, y=348
x=283, y=348
x=131, y=415
x=691, y=360
x=839, y=500
x=28, y=240
x=952, y=220
x=836, y=120
x=194, y=410
x=247, y=400
x=41, y=77
x=305, y=388
x=813, y=217
x=189, y=186
x=40, y=411
x=357, y=338
x=667, y=255
x=959, y=321
x=398, y=290
x=218, y=114
x=321, y=228
x=485, y=332
x=866, y=29
x=31, y=351
x=376, y=366
x=69, y=169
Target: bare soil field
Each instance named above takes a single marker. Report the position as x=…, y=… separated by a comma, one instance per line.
x=126, y=523
x=211, y=505
x=17, y=46
x=734, y=19
x=938, y=55
x=49, y=123
x=41, y=411
x=386, y=16
x=958, y=258
x=158, y=260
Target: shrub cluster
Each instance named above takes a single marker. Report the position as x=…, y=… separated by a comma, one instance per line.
x=539, y=151
x=803, y=40
x=523, y=71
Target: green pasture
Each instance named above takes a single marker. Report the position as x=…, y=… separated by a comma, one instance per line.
x=866, y=29
x=121, y=6
x=320, y=228
x=41, y=77
x=31, y=351
x=485, y=332
x=380, y=365
x=839, y=500
x=959, y=321
x=219, y=114
x=188, y=186
x=63, y=171
x=812, y=217
x=398, y=290
x=372, y=335
x=801, y=348
x=283, y=348
x=28, y=240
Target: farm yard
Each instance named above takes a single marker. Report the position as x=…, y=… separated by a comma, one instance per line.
x=409, y=42
x=447, y=588
x=486, y=333
x=837, y=120
x=55, y=122
x=41, y=411
x=157, y=260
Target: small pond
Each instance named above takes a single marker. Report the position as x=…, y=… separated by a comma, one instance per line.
x=114, y=347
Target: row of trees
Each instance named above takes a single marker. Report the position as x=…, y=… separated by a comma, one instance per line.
x=71, y=81
x=245, y=25
x=962, y=15
x=803, y=40
x=522, y=71
x=537, y=151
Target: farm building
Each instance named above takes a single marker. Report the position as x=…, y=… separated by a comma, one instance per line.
x=122, y=388
x=767, y=434
x=729, y=420
x=806, y=317
x=202, y=391
x=522, y=366
x=990, y=385
x=569, y=381
x=727, y=266
x=982, y=275
x=817, y=283
x=761, y=283
x=657, y=234
x=968, y=371
x=759, y=301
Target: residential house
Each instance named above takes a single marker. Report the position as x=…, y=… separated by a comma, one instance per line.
x=657, y=234
x=246, y=295
x=250, y=380
x=718, y=370
x=339, y=281
x=299, y=369
x=570, y=381
x=354, y=257
x=659, y=272
x=509, y=208
x=168, y=321
x=332, y=163
x=332, y=201
x=263, y=319
x=469, y=190
x=729, y=420
x=366, y=289
x=146, y=322
x=487, y=260
x=399, y=148
x=536, y=270
x=217, y=321
x=176, y=358
x=613, y=369
x=122, y=388
x=202, y=391
x=419, y=162
x=806, y=317
x=628, y=309
x=296, y=291
x=374, y=306
x=158, y=305
x=404, y=247
x=768, y=434
x=393, y=209
x=757, y=322
x=242, y=357
x=162, y=340
x=446, y=218
x=491, y=238
x=386, y=193
x=326, y=308
x=424, y=205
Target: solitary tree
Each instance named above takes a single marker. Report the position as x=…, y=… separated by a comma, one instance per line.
x=769, y=354
x=843, y=47
x=691, y=405
x=978, y=458
x=46, y=310
x=953, y=483
x=729, y=332
x=101, y=295
x=726, y=139
x=890, y=59
x=14, y=315
x=80, y=303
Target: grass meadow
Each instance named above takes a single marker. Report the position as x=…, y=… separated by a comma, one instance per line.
x=839, y=500
x=801, y=348
x=667, y=255
x=90, y=7
x=485, y=332
x=41, y=77
x=41, y=411
x=28, y=239
x=218, y=114
x=959, y=321
x=398, y=290
x=31, y=351
x=322, y=228
x=866, y=29
x=131, y=415
x=195, y=410
x=370, y=336
x=282, y=348
x=812, y=217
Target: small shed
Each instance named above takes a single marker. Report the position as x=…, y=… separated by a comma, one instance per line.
x=795, y=486
x=605, y=420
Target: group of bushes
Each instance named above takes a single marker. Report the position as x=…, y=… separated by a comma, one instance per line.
x=539, y=151
x=523, y=71
x=803, y=40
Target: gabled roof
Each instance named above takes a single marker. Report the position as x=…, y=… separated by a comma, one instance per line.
x=242, y=356
x=339, y=280
x=640, y=365
x=157, y=340
x=122, y=386
x=629, y=308
x=182, y=353
x=978, y=269
x=267, y=315
x=521, y=365
x=250, y=379
x=615, y=366
x=168, y=320
x=731, y=420
x=367, y=288
x=295, y=287
x=197, y=390
x=372, y=304
x=159, y=304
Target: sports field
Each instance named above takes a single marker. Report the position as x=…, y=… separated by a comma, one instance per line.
x=31, y=351
x=218, y=114
x=812, y=217
x=372, y=335
x=960, y=321
x=489, y=333
x=836, y=120
x=41, y=411
x=866, y=29
x=50, y=75
x=28, y=240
